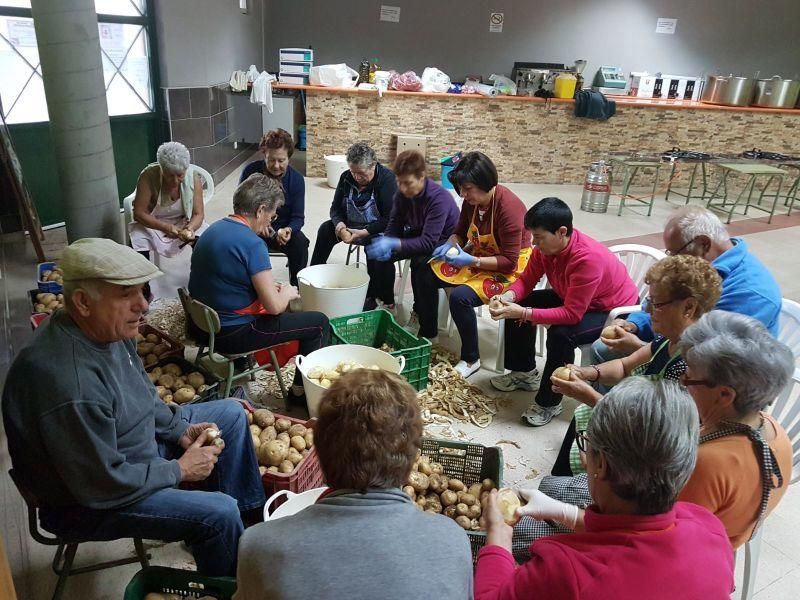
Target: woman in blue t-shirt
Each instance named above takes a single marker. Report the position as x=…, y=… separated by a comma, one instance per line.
x=285, y=233
x=232, y=274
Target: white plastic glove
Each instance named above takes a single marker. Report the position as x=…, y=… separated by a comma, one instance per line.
x=542, y=507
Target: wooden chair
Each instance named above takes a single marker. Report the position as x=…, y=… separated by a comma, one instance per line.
x=67, y=548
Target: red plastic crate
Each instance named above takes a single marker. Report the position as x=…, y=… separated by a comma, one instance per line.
x=306, y=476
x=37, y=318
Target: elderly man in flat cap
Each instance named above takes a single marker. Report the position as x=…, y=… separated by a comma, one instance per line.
x=91, y=439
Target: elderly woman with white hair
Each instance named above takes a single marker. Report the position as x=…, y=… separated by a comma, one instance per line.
x=734, y=370
x=168, y=207
x=635, y=540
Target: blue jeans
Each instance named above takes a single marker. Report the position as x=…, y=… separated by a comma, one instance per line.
x=209, y=521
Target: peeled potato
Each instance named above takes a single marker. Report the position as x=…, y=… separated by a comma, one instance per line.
x=261, y=470
x=316, y=372
x=452, y=252
x=326, y=383
x=564, y=373
x=610, y=333
x=508, y=503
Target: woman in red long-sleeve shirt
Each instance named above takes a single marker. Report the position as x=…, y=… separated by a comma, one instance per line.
x=586, y=282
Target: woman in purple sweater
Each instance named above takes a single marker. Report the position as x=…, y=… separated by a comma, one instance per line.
x=423, y=216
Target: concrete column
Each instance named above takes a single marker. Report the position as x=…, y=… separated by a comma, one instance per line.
x=69, y=49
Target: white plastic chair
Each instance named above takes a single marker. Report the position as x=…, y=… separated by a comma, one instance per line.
x=786, y=410
x=208, y=193
x=789, y=326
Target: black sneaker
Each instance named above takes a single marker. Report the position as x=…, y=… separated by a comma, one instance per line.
x=370, y=304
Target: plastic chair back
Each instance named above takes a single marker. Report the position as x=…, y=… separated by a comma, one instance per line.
x=789, y=326
x=786, y=410
x=637, y=260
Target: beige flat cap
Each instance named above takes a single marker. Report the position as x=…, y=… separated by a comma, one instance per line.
x=106, y=260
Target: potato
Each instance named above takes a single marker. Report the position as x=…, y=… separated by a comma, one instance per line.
x=39, y=308
x=464, y=522
x=309, y=438
x=195, y=379
x=474, y=511
x=462, y=509
x=410, y=492
x=449, y=498
x=261, y=470
x=46, y=273
x=475, y=489
x=469, y=499
x=161, y=391
x=267, y=434
x=294, y=457
x=144, y=348
x=273, y=452
x=255, y=429
x=421, y=500
x=157, y=372
x=304, y=452
x=297, y=429
x=326, y=383
x=46, y=298
x=438, y=483
x=457, y=485
x=419, y=481
x=610, y=333
x=167, y=380
x=474, y=524
x=297, y=442
x=286, y=467
x=316, y=373
x=272, y=469
x=160, y=349
x=152, y=338
x=184, y=395
x=284, y=437
x=563, y=373
x=247, y=412
x=179, y=383
x=282, y=425
x=488, y=484
x=256, y=442
x=437, y=468
x=152, y=377
x=425, y=466
x=508, y=503
x=169, y=399
x=263, y=418
x=450, y=511
x=172, y=369
x=433, y=504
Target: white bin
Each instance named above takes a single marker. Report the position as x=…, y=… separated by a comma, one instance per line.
x=335, y=290
x=331, y=356
x=335, y=165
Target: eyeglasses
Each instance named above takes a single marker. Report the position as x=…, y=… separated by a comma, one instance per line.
x=681, y=249
x=686, y=382
x=649, y=306
x=581, y=440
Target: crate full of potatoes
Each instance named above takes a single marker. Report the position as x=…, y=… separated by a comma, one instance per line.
x=153, y=345
x=50, y=277
x=178, y=381
x=454, y=479
x=285, y=449
x=45, y=302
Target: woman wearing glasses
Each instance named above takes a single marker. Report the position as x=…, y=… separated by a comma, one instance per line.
x=634, y=540
x=360, y=211
x=682, y=289
x=734, y=370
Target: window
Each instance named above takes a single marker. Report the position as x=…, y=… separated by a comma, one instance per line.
x=125, y=53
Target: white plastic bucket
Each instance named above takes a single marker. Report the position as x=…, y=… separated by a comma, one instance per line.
x=335, y=290
x=294, y=503
x=330, y=357
x=335, y=165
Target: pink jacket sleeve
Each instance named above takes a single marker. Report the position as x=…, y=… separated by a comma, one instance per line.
x=548, y=575
x=494, y=575
x=583, y=282
x=529, y=277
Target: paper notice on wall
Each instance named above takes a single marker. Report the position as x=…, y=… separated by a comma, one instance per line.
x=390, y=13
x=666, y=26
x=496, y=22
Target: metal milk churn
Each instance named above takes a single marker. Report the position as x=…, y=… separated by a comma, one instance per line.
x=596, y=188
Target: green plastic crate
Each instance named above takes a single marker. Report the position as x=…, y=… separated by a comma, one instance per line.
x=377, y=327
x=471, y=463
x=187, y=584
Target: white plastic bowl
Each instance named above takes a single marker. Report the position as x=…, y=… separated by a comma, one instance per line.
x=335, y=165
x=335, y=290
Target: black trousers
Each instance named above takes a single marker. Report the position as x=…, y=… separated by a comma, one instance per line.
x=561, y=342
x=381, y=274
x=296, y=251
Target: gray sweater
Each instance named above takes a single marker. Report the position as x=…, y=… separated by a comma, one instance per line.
x=83, y=421
x=353, y=545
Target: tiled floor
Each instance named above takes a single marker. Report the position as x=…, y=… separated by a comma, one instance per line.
x=779, y=570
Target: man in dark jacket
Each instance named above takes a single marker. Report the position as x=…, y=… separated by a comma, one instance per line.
x=360, y=210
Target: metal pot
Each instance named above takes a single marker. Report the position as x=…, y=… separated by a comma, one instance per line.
x=729, y=91
x=776, y=92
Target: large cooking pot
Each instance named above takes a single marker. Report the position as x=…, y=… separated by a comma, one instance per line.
x=728, y=90
x=776, y=92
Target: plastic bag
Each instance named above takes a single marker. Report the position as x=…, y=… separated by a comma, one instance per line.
x=433, y=80
x=407, y=82
x=339, y=75
x=504, y=84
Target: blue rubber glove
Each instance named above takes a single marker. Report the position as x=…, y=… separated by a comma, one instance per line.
x=462, y=259
x=440, y=251
x=382, y=248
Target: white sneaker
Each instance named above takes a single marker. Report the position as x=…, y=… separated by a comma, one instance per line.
x=465, y=369
x=536, y=415
x=517, y=380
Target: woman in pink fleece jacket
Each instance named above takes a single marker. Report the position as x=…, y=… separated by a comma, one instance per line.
x=635, y=541
x=586, y=281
